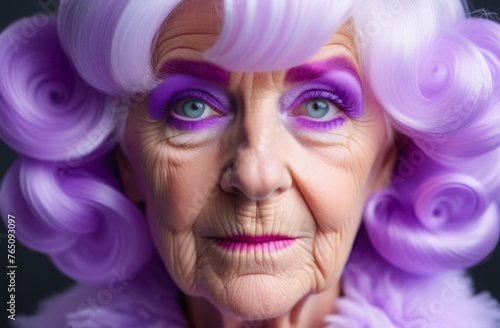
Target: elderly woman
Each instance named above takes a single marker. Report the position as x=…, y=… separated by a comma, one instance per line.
x=256, y=163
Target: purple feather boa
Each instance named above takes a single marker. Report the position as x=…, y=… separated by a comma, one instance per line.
x=378, y=295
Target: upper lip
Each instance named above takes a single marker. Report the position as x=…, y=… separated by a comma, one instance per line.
x=256, y=239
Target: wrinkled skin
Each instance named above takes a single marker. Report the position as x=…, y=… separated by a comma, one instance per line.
x=253, y=177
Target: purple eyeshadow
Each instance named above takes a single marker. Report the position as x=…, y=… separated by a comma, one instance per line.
x=193, y=125
x=320, y=125
x=197, y=94
x=340, y=85
x=176, y=88
x=335, y=80
x=337, y=75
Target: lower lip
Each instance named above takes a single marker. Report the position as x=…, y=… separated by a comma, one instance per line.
x=270, y=246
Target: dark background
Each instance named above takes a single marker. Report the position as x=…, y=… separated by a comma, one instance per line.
x=37, y=278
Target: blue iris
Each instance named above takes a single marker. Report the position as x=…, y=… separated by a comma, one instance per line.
x=193, y=108
x=317, y=108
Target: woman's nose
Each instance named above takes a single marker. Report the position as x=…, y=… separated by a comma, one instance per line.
x=259, y=169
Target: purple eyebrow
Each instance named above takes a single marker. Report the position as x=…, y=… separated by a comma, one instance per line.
x=313, y=71
x=203, y=70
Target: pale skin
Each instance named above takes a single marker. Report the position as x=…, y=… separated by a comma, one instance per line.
x=253, y=177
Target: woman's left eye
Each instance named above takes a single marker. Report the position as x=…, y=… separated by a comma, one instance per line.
x=194, y=109
x=318, y=109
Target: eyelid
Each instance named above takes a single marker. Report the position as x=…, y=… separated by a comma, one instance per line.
x=316, y=94
x=334, y=118
x=341, y=83
x=176, y=84
x=196, y=94
x=330, y=115
x=179, y=116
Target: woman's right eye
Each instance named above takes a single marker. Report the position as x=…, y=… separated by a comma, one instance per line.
x=194, y=109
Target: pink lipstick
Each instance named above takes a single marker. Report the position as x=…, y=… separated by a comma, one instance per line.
x=245, y=243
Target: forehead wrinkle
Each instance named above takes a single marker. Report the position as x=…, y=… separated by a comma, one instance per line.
x=346, y=40
x=195, y=44
x=258, y=87
x=269, y=80
x=342, y=42
x=193, y=24
x=340, y=50
x=186, y=29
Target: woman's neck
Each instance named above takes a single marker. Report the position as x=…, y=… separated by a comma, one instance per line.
x=308, y=312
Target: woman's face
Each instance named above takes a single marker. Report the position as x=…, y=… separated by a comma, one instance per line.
x=254, y=183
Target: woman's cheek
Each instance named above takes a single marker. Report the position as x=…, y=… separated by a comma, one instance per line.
x=332, y=250
x=171, y=226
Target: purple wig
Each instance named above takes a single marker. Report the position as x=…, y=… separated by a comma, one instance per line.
x=438, y=82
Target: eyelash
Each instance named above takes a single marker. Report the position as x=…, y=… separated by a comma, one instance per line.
x=193, y=125
x=207, y=98
x=323, y=95
x=310, y=95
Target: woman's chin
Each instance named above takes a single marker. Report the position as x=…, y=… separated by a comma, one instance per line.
x=257, y=296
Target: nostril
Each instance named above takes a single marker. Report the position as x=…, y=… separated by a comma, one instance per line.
x=255, y=180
